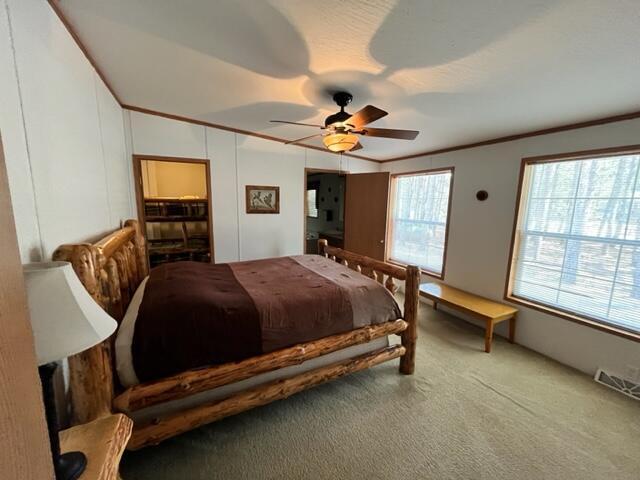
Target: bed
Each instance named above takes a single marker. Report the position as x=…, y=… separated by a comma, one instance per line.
x=172, y=397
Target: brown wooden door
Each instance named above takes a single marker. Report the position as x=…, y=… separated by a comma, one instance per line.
x=365, y=214
x=24, y=443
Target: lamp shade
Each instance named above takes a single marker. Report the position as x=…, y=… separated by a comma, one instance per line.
x=64, y=318
x=340, y=142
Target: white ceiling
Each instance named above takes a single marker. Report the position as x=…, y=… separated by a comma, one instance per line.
x=459, y=71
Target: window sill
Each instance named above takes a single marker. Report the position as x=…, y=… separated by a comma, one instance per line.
x=422, y=269
x=589, y=322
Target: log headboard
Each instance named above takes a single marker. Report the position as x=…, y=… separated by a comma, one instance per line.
x=111, y=270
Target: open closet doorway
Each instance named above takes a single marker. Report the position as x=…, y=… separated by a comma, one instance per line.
x=324, y=208
x=174, y=208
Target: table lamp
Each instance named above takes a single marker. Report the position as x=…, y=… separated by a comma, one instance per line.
x=65, y=321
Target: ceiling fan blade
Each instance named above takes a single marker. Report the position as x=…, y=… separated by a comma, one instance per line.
x=357, y=147
x=297, y=123
x=365, y=116
x=304, y=138
x=389, y=133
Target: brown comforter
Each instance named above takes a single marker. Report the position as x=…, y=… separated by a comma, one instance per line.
x=196, y=314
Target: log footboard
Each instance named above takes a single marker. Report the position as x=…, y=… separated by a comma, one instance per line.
x=386, y=274
x=171, y=425
x=191, y=382
x=410, y=334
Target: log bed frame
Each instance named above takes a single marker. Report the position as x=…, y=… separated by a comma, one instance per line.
x=111, y=270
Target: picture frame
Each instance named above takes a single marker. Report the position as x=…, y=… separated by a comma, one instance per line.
x=262, y=199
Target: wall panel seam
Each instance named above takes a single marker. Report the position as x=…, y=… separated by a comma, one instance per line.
x=24, y=129
x=235, y=157
x=206, y=145
x=128, y=135
x=104, y=157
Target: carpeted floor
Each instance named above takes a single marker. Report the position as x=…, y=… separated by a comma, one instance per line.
x=512, y=414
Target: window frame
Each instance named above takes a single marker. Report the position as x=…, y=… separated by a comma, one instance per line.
x=564, y=314
x=392, y=196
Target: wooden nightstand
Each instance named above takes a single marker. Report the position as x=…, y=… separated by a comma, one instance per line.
x=103, y=441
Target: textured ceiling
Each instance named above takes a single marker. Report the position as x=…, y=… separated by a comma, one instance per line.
x=458, y=71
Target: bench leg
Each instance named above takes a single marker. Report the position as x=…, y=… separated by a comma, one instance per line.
x=435, y=305
x=488, y=336
x=512, y=329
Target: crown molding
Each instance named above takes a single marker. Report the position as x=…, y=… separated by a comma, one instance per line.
x=194, y=121
x=519, y=136
x=483, y=143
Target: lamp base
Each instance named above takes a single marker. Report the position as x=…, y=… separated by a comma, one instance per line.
x=70, y=465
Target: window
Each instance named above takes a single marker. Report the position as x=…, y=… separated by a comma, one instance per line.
x=312, y=202
x=577, y=238
x=419, y=219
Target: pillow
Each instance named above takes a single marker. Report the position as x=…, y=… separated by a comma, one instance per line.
x=124, y=339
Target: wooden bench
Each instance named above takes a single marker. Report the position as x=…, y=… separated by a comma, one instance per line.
x=478, y=307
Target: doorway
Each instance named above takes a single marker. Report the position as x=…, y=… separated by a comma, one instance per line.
x=174, y=208
x=324, y=208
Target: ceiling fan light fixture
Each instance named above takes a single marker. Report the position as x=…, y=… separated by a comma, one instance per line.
x=340, y=142
x=341, y=128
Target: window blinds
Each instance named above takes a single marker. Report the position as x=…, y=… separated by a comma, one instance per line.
x=312, y=203
x=419, y=219
x=579, y=238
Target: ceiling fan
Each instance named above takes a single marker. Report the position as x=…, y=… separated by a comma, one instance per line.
x=342, y=128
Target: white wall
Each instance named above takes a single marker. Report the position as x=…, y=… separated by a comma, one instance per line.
x=480, y=236
x=264, y=162
x=221, y=148
x=15, y=147
x=173, y=179
x=63, y=132
x=236, y=161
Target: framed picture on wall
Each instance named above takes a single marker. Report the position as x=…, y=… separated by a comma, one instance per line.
x=262, y=199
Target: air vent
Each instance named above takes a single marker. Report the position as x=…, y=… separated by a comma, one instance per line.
x=630, y=389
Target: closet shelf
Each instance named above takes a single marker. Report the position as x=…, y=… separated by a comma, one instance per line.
x=175, y=218
x=177, y=229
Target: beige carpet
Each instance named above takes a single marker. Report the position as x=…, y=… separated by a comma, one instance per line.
x=512, y=414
